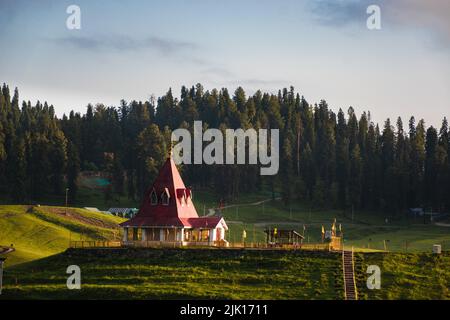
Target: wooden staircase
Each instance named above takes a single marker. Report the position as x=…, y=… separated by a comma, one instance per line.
x=348, y=268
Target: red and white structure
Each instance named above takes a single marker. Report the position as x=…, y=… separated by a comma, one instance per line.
x=167, y=216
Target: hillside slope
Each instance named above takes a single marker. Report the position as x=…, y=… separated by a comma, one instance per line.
x=406, y=276
x=37, y=232
x=225, y=274
x=180, y=274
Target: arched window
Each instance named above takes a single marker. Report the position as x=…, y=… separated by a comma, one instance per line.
x=165, y=197
x=153, y=198
x=188, y=196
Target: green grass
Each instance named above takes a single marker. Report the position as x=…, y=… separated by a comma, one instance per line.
x=406, y=276
x=179, y=273
x=46, y=231
x=37, y=268
x=225, y=274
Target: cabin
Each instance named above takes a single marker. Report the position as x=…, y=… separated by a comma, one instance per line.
x=280, y=237
x=167, y=216
x=123, y=212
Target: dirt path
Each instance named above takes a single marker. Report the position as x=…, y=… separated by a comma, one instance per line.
x=5, y=250
x=263, y=224
x=212, y=211
x=441, y=224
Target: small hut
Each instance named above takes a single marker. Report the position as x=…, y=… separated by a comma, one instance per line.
x=283, y=237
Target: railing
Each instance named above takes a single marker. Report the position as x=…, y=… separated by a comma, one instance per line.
x=343, y=273
x=95, y=244
x=152, y=244
x=216, y=244
x=354, y=278
x=316, y=246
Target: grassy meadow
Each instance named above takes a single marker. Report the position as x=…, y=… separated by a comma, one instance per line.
x=180, y=274
x=225, y=274
x=405, y=276
x=41, y=235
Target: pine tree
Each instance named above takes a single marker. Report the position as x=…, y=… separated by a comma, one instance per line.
x=287, y=172
x=152, y=154
x=342, y=159
x=388, y=184
x=443, y=167
x=431, y=169
x=18, y=187
x=355, y=185
x=73, y=170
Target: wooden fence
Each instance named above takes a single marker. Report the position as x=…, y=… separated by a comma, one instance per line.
x=95, y=244
x=177, y=244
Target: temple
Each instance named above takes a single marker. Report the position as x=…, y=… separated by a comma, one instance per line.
x=167, y=216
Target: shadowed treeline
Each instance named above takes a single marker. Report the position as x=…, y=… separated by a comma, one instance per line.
x=327, y=159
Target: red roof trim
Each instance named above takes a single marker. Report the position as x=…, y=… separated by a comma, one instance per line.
x=196, y=223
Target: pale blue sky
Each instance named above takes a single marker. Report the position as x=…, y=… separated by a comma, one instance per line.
x=132, y=49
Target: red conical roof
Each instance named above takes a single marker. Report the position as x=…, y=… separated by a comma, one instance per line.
x=180, y=207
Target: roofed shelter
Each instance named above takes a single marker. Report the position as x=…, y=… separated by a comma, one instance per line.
x=167, y=215
x=280, y=237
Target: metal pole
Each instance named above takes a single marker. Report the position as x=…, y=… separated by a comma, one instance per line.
x=1, y=273
x=67, y=191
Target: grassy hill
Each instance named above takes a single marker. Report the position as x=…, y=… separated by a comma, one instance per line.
x=41, y=234
x=47, y=230
x=405, y=276
x=38, y=232
x=179, y=274
x=225, y=274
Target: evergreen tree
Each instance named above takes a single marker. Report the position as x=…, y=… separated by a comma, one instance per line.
x=431, y=169
x=73, y=170
x=18, y=187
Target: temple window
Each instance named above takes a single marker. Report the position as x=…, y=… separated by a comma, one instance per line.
x=153, y=198
x=165, y=197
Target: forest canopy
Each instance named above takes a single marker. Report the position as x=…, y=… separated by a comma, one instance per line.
x=327, y=159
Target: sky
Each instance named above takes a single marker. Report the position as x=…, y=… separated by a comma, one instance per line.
x=134, y=49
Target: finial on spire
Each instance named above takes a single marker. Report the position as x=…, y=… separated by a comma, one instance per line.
x=171, y=149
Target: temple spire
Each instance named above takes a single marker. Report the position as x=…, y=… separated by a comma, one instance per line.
x=171, y=144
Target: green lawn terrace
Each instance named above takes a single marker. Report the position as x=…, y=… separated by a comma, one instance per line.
x=405, y=276
x=137, y=273
x=179, y=274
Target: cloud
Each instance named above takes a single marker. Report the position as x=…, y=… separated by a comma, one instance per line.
x=218, y=71
x=225, y=76
x=125, y=43
x=430, y=16
x=338, y=13
x=263, y=82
